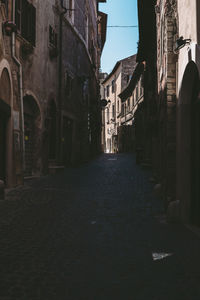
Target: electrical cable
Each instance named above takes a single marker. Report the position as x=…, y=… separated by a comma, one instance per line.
x=122, y=26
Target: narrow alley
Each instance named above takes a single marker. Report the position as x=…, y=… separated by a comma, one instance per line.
x=94, y=232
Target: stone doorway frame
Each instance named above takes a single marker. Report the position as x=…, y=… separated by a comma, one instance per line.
x=9, y=163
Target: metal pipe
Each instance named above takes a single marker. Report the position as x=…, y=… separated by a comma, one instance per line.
x=60, y=76
x=20, y=85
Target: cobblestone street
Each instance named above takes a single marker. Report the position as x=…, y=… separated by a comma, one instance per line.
x=90, y=233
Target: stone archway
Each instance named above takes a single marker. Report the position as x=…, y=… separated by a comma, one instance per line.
x=32, y=136
x=5, y=114
x=188, y=145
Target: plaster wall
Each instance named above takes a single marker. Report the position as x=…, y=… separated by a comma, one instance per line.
x=111, y=126
x=188, y=17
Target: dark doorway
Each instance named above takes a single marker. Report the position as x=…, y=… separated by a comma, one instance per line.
x=52, y=130
x=5, y=112
x=31, y=135
x=67, y=135
x=2, y=146
x=188, y=146
x=195, y=159
x=29, y=143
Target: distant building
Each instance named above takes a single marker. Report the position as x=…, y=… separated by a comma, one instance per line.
x=114, y=83
x=132, y=98
x=102, y=77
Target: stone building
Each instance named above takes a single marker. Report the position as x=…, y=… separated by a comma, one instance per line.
x=178, y=94
x=132, y=98
x=188, y=111
x=167, y=33
x=147, y=114
x=172, y=76
x=102, y=77
x=49, y=61
x=113, y=84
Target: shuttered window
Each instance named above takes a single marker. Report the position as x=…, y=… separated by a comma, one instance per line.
x=25, y=16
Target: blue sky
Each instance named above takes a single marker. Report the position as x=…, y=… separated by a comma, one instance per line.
x=120, y=42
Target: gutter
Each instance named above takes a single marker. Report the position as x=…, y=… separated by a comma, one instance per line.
x=18, y=63
x=60, y=76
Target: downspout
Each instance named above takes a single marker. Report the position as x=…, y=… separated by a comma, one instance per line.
x=60, y=78
x=18, y=63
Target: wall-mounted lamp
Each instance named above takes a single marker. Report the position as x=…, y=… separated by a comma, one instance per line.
x=104, y=102
x=180, y=43
x=9, y=27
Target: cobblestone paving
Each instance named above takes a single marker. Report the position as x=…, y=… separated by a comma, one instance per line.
x=89, y=234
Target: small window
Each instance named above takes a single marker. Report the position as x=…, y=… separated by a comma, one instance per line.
x=52, y=37
x=128, y=78
x=70, y=8
x=108, y=90
x=136, y=93
x=141, y=90
x=108, y=115
x=69, y=4
x=6, y=6
x=128, y=104
x=104, y=93
x=68, y=84
x=113, y=86
x=123, y=110
x=113, y=111
x=25, y=16
x=118, y=106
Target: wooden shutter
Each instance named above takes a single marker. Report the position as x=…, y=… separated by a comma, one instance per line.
x=32, y=33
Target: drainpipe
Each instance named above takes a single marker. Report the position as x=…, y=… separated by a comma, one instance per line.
x=20, y=85
x=60, y=76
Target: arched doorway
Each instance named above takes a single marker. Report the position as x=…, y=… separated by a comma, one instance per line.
x=188, y=145
x=32, y=134
x=5, y=113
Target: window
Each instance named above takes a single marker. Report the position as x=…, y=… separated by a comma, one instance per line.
x=70, y=7
x=118, y=106
x=141, y=91
x=128, y=104
x=86, y=29
x=128, y=78
x=69, y=4
x=113, y=86
x=134, y=102
x=108, y=115
x=123, y=110
x=68, y=84
x=104, y=93
x=162, y=39
x=18, y=10
x=25, y=16
x=136, y=93
x=52, y=37
x=113, y=111
x=108, y=90
x=6, y=6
